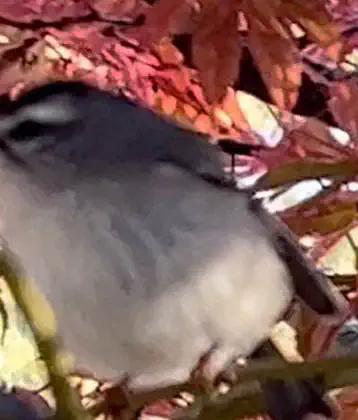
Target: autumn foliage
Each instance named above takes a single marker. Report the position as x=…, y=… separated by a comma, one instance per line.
x=186, y=59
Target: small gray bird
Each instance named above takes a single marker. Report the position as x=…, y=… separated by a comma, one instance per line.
x=147, y=254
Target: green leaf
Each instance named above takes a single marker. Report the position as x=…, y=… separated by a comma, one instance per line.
x=4, y=319
x=292, y=172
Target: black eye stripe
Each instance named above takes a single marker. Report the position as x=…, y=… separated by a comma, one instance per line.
x=29, y=129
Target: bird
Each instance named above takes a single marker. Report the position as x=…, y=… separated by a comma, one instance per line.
x=148, y=254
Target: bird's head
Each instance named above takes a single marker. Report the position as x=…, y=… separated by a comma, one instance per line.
x=42, y=116
x=75, y=123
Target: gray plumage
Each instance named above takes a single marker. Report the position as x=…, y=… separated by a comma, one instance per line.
x=147, y=255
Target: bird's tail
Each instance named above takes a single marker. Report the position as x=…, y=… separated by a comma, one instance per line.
x=294, y=399
x=311, y=286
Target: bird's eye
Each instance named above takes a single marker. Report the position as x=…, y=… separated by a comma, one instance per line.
x=31, y=136
x=27, y=130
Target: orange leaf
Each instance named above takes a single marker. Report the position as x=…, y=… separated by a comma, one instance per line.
x=306, y=324
x=204, y=124
x=182, y=119
x=169, y=104
x=168, y=53
x=279, y=64
x=264, y=12
x=317, y=140
x=315, y=337
x=315, y=19
x=344, y=106
x=216, y=48
x=307, y=138
x=162, y=20
x=222, y=119
x=349, y=401
x=189, y=111
x=334, y=219
x=114, y=9
x=231, y=106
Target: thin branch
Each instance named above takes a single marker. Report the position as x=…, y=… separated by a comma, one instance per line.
x=41, y=322
x=247, y=400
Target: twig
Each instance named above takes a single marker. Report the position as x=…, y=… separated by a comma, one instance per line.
x=41, y=321
x=244, y=401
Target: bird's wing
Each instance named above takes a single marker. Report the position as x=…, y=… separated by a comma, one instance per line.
x=311, y=285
